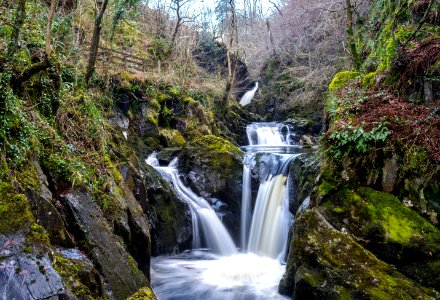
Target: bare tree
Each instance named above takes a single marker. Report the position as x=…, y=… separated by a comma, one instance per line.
x=181, y=18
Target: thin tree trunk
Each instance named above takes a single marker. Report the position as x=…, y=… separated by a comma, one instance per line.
x=175, y=32
x=20, y=15
x=53, y=5
x=231, y=65
x=350, y=32
x=95, y=42
x=272, y=43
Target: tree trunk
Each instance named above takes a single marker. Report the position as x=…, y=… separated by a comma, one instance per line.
x=231, y=65
x=53, y=5
x=175, y=32
x=95, y=42
x=350, y=32
x=272, y=43
x=20, y=15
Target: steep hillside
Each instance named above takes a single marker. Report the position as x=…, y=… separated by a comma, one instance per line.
x=372, y=230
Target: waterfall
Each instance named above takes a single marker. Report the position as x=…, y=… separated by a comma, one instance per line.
x=204, y=219
x=271, y=218
x=270, y=134
x=265, y=222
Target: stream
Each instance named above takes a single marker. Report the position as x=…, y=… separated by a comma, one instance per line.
x=216, y=268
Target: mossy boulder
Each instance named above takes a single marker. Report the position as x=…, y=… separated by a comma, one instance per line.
x=214, y=168
x=394, y=232
x=172, y=138
x=325, y=263
x=15, y=213
x=341, y=79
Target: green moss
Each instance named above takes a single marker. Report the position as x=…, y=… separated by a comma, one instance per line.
x=144, y=293
x=416, y=160
x=113, y=171
x=329, y=258
x=341, y=79
x=324, y=188
x=132, y=262
x=369, y=80
x=71, y=272
x=152, y=117
x=37, y=234
x=15, y=212
x=172, y=137
x=378, y=216
x=401, y=224
x=220, y=154
x=28, y=177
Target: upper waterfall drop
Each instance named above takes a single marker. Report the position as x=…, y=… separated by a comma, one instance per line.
x=247, y=97
x=269, y=134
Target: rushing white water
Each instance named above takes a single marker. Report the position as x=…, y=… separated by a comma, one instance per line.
x=197, y=275
x=204, y=218
x=272, y=134
x=246, y=205
x=271, y=217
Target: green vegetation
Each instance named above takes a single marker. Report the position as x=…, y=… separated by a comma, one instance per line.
x=348, y=139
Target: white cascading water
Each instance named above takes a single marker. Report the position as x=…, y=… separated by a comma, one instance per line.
x=203, y=216
x=254, y=273
x=271, y=217
x=267, y=234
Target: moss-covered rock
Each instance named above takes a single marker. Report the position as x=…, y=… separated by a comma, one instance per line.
x=341, y=79
x=172, y=137
x=326, y=263
x=80, y=277
x=15, y=211
x=215, y=171
x=143, y=294
x=220, y=154
x=393, y=232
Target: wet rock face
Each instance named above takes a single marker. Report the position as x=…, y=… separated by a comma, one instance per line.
x=44, y=210
x=326, y=263
x=303, y=172
x=169, y=217
x=79, y=273
x=30, y=275
x=95, y=236
x=132, y=224
x=214, y=168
